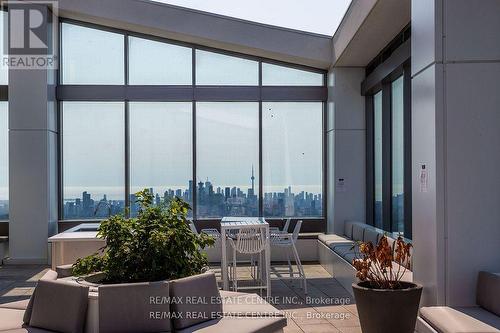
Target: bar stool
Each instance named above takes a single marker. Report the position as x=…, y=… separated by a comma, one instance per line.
x=249, y=241
x=289, y=241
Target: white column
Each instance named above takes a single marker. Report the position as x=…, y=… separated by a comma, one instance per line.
x=345, y=148
x=456, y=134
x=32, y=164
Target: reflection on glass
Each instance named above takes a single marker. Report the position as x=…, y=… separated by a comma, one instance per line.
x=274, y=75
x=4, y=161
x=227, y=151
x=91, y=56
x=4, y=70
x=93, y=159
x=397, y=155
x=219, y=69
x=161, y=151
x=152, y=62
x=292, y=158
x=377, y=123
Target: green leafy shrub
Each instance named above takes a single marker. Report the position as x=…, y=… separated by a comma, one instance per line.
x=156, y=245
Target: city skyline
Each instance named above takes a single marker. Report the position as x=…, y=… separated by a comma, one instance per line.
x=212, y=201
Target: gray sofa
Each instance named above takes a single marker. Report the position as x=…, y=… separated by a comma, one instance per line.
x=336, y=252
x=483, y=318
x=192, y=304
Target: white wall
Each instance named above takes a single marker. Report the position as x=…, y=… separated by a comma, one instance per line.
x=456, y=132
x=346, y=147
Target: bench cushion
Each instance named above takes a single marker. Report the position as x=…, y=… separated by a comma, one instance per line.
x=449, y=320
x=371, y=235
x=134, y=307
x=59, y=306
x=488, y=291
x=358, y=231
x=18, y=305
x=204, y=289
x=50, y=275
x=238, y=325
x=247, y=305
x=11, y=319
x=334, y=240
x=344, y=250
x=348, y=228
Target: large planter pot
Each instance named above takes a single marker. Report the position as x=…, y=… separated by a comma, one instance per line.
x=387, y=310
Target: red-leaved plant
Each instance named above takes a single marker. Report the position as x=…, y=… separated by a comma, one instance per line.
x=382, y=265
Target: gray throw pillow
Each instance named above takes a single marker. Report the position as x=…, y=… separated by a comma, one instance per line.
x=134, y=307
x=60, y=306
x=194, y=300
x=50, y=275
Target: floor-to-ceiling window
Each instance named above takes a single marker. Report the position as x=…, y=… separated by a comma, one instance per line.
x=397, y=155
x=161, y=150
x=230, y=134
x=388, y=116
x=93, y=160
x=227, y=135
x=292, y=158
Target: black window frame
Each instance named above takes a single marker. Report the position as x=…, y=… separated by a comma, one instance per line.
x=190, y=93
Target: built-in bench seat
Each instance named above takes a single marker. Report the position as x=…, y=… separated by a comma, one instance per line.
x=483, y=318
x=122, y=308
x=337, y=252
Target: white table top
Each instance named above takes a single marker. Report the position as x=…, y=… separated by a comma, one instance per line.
x=242, y=221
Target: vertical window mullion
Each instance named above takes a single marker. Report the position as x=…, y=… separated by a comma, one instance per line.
x=324, y=171
x=193, y=116
x=127, y=127
x=261, y=178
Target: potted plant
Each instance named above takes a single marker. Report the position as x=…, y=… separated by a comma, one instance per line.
x=156, y=245
x=385, y=303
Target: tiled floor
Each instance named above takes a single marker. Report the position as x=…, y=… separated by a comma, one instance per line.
x=327, y=307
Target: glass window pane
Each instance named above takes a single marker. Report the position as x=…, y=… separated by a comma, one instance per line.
x=91, y=56
x=219, y=69
x=292, y=154
x=4, y=161
x=227, y=160
x=377, y=123
x=93, y=159
x=397, y=155
x=4, y=70
x=152, y=62
x=161, y=150
x=274, y=75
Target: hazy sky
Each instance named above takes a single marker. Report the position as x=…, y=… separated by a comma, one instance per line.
x=319, y=16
